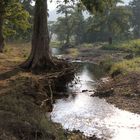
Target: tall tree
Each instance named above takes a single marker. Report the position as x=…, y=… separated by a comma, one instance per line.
x=79, y=25
x=3, y=5
x=135, y=6
x=113, y=23
x=40, y=57
x=118, y=22
x=70, y=26
x=1, y=34
x=66, y=21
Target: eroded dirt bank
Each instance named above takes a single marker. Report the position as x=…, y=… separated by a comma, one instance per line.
x=123, y=91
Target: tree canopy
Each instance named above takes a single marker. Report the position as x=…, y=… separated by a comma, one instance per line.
x=13, y=17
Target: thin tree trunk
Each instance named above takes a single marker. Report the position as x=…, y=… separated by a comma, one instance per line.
x=68, y=39
x=110, y=40
x=1, y=34
x=67, y=34
x=40, y=53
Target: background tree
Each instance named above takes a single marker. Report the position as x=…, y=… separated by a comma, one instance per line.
x=12, y=17
x=3, y=5
x=135, y=6
x=27, y=34
x=79, y=25
x=113, y=23
x=51, y=25
x=40, y=57
x=67, y=21
x=73, y=30
x=118, y=22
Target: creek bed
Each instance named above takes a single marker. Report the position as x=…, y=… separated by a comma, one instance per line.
x=91, y=115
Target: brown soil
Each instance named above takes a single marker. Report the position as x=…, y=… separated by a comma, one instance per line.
x=26, y=97
x=122, y=91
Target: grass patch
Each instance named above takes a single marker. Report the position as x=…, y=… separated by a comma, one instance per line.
x=55, y=44
x=73, y=52
x=92, y=45
x=107, y=64
x=86, y=45
x=127, y=66
x=131, y=46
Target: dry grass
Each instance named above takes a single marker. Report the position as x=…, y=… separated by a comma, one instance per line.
x=13, y=55
x=127, y=66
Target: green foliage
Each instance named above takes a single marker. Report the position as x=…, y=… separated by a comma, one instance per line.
x=73, y=26
x=135, y=6
x=79, y=25
x=55, y=44
x=114, y=22
x=99, y=5
x=96, y=5
x=16, y=18
x=118, y=20
x=64, y=25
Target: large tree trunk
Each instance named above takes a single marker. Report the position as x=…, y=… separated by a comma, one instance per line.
x=40, y=57
x=1, y=34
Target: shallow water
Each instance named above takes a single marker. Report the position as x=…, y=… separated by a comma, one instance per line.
x=91, y=115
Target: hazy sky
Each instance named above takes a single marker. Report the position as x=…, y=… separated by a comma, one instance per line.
x=52, y=5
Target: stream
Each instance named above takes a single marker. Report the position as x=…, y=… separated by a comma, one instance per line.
x=91, y=115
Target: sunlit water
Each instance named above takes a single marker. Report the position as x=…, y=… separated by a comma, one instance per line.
x=94, y=116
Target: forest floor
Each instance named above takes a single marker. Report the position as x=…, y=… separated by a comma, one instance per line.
x=24, y=100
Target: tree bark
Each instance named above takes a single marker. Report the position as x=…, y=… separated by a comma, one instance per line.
x=68, y=39
x=67, y=24
x=40, y=57
x=110, y=40
x=1, y=35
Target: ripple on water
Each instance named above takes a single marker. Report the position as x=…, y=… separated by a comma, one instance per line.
x=95, y=116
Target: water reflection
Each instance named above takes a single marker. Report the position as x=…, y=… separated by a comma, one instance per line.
x=55, y=51
x=94, y=116
x=86, y=78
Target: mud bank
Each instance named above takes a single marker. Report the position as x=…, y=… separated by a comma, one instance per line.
x=123, y=91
